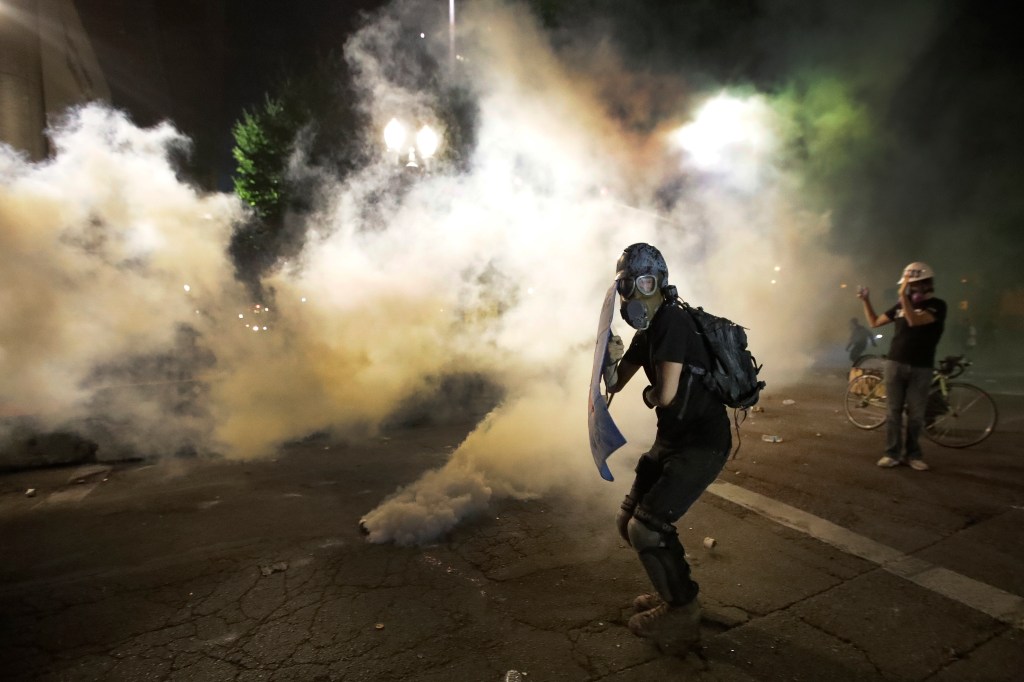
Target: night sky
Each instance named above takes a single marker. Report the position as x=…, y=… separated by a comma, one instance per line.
x=940, y=82
x=268, y=38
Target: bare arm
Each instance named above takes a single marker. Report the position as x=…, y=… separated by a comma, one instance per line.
x=626, y=371
x=668, y=383
x=869, y=312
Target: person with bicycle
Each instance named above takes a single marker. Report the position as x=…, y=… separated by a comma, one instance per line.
x=920, y=318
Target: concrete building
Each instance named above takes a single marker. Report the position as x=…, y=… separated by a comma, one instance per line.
x=156, y=60
x=47, y=64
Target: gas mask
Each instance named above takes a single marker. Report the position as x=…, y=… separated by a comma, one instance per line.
x=640, y=300
x=917, y=296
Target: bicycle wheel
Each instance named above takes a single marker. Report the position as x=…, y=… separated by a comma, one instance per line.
x=865, y=402
x=870, y=363
x=966, y=416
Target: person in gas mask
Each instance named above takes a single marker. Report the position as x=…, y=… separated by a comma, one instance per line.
x=920, y=318
x=691, y=446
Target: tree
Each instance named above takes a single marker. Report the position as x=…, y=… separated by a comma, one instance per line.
x=264, y=139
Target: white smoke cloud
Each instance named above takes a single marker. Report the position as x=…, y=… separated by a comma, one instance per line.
x=97, y=246
x=498, y=270
x=543, y=210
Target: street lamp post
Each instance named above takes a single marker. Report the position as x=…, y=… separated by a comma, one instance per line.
x=451, y=34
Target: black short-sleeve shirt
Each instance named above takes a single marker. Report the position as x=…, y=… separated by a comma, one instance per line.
x=673, y=337
x=916, y=345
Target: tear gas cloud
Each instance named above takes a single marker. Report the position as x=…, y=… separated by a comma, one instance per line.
x=498, y=270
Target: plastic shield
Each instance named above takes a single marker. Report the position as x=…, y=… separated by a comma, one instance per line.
x=605, y=437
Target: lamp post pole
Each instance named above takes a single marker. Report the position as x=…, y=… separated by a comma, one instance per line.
x=451, y=33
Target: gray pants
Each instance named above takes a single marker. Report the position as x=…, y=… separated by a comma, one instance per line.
x=905, y=387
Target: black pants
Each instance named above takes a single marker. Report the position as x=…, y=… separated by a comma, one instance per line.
x=667, y=485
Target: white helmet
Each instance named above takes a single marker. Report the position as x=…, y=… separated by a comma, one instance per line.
x=916, y=271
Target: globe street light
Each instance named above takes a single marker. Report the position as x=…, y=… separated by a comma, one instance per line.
x=424, y=146
x=427, y=141
x=394, y=135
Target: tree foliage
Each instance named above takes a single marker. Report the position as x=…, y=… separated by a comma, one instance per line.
x=264, y=141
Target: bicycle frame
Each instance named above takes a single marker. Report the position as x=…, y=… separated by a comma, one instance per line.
x=949, y=420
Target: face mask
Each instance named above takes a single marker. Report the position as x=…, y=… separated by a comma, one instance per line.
x=639, y=312
x=917, y=297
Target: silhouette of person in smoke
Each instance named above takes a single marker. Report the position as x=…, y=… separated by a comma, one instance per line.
x=859, y=338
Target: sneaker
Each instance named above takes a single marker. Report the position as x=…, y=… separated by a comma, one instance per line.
x=919, y=465
x=674, y=629
x=646, y=602
x=888, y=462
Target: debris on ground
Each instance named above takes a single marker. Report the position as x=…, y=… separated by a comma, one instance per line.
x=709, y=543
x=788, y=401
x=31, y=492
x=279, y=567
x=83, y=474
x=379, y=626
x=771, y=439
x=757, y=408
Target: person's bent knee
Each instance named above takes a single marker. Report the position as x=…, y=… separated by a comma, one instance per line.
x=643, y=537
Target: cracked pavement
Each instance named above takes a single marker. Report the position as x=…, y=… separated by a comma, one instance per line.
x=206, y=570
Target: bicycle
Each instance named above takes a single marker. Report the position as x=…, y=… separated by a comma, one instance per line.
x=869, y=363
x=957, y=414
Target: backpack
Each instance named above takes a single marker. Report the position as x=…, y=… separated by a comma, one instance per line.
x=732, y=377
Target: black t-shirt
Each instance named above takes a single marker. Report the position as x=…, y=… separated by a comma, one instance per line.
x=915, y=346
x=672, y=337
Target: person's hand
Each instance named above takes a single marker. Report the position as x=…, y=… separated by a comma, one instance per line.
x=611, y=376
x=903, y=285
x=863, y=293
x=616, y=349
x=612, y=356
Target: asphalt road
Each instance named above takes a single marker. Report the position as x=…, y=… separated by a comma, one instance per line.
x=825, y=567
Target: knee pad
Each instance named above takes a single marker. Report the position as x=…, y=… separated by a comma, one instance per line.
x=664, y=559
x=643, y=537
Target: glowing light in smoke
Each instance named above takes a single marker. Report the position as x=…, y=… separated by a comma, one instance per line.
x=394, y=135
x=728, y=134
x=427, y=141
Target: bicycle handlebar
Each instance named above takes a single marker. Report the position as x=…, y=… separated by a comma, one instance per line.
x=953, y=366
